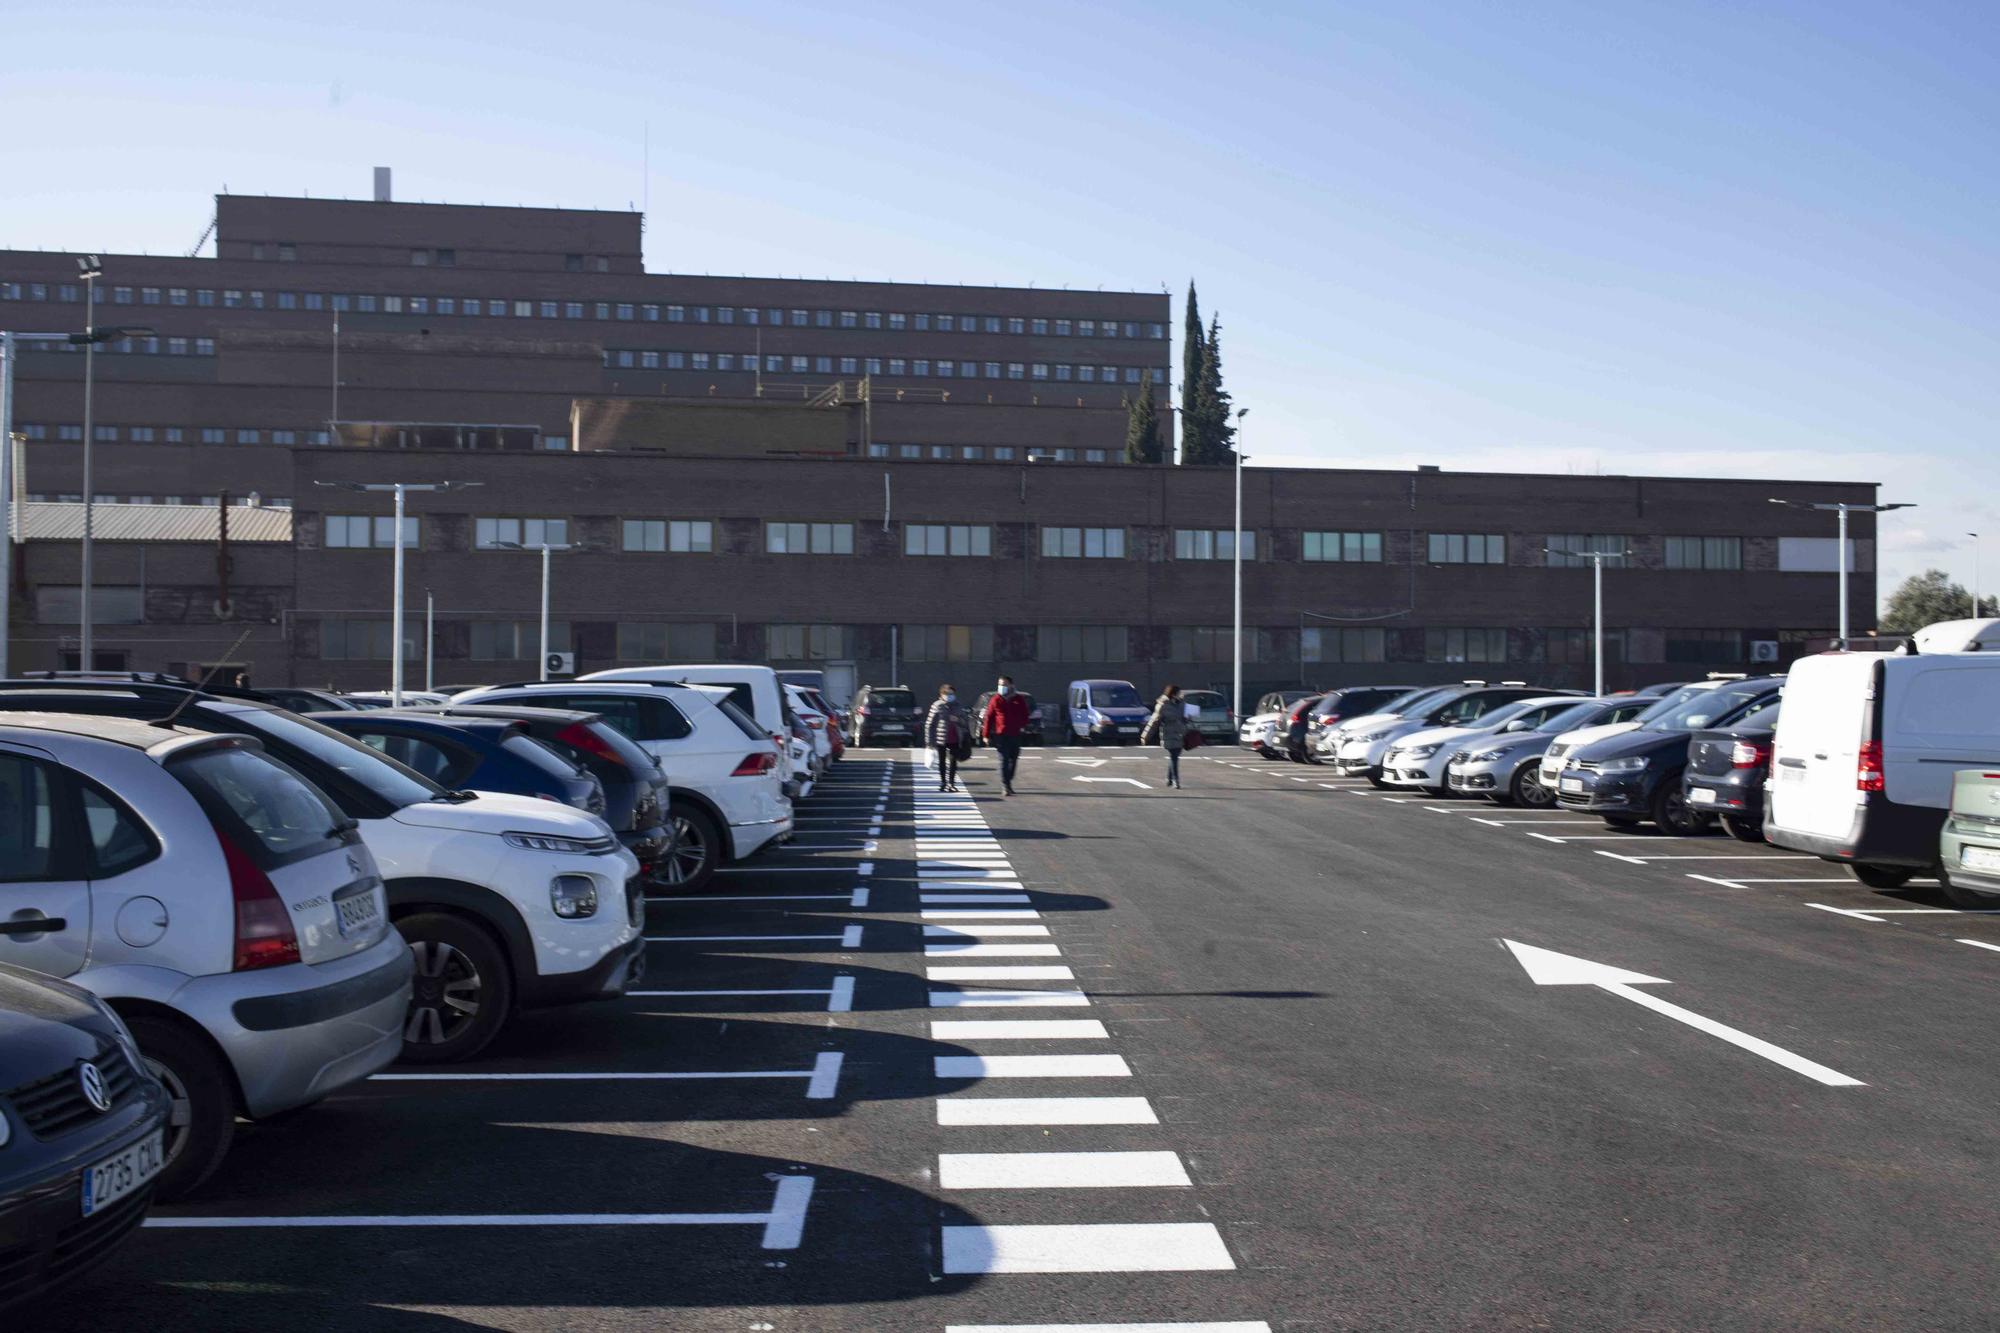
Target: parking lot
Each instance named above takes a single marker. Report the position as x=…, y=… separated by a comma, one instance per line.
x=1249, y=1055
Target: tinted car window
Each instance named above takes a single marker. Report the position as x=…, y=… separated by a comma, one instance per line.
x=891, y=699
x=1577, y=715
x=531, y=751
x=642, y=717
x=394, y=783
x=1704, y=709
x=118, y=840
x=744, y=722
x=28, y=827
x=444, y=766
x=265, y=809
x=1115, y=696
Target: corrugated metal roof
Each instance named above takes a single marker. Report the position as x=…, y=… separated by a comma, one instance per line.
x=44, y=522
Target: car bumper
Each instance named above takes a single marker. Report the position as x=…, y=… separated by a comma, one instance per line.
x=45, y=1240
x=607, y=979
x=754, y=835
x=1399, y=772
x=294, y=1034
x=1475, y=778
x=1983, y=841
x=1738, y=801
x=1604, y=794
x=1881, y=832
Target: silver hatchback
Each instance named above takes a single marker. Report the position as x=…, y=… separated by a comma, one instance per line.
x=216, y=900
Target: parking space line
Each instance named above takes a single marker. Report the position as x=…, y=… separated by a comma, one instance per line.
x=1981, y=944
x=785, y=870
x=972, y=897
x=1007, y=949
x=975, y=932
x=820, y=1079
x=1010, y=999
x=1061, y=1170
x=1714, y=856
x=849, y=938
x=1031, y=1066
x=1848, y=911
x=1711, y=879
x=1018, y=1029
x=1102, y=1247
x=991, y=914
x=696, y=901
x=1000, y=973
x=839, y=995
x=1206, y=1326
x=1938, y=911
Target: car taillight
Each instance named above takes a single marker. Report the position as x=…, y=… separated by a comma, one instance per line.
x=264, y=934
x=753, y=764
x=816, y=723
x=586, y=739
x=1868, y=767
x=1744, y=754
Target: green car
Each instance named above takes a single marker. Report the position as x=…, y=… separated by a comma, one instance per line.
x=1969, y=848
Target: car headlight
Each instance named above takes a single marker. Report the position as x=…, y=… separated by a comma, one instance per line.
x=547, y=842
x=1484, y=756
x=1422, y=751
x=573, y=896
x=1633, y=765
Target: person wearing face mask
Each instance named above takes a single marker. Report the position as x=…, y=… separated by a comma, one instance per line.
x=946, y=728
x=1003, y=727
x=1169, y=727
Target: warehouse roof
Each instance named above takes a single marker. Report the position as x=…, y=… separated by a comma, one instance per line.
x=50, y=522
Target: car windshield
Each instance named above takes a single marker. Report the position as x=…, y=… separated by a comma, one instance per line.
x=891, y=699
x=1202, y=698
x=1701, y=709
x=1118, y=695
x=384, y=777
x=1670, y=703
x=1406, y=700
x=1500, y=717
x=1581, y=715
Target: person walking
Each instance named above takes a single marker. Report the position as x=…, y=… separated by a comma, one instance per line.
x=946, y=727
x=1169, y=726
x=1004, y=726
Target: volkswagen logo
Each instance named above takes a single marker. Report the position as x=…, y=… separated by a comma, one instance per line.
x=92, y=1080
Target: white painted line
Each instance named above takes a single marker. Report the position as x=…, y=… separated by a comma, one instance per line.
x=1938, y=911
x=1008, y=999
x=1031, y=1066
x=972, y=898
x=1496, y=823
x=991, y=913
x=1982, y=944
x=865, y=868
x=1018, y=1029
x=1722, y=856
x=1544, y=822
x=1061, y=1170
x=1845, y=911
x=849, y=940
x=1208, y=1326
x=968, y=949
x=980, y=932
x=1837, y=879
x=825, y=1074
x=782, y=870
x=840, y=998
x=1008, y=885
x=970, y=1111
x=859, y=898
x=1619, y=856
x=1105, y=1247
x=1710, y=879
x=1031, y=973
x=646, y=1077
x=746, y=898
x=1588, y=837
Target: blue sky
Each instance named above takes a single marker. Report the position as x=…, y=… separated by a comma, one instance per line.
x=1743, y=239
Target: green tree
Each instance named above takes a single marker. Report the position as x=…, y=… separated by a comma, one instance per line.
x=1142, y=428
x=1215, y=399
x=1925, y=599
x=1193, y=343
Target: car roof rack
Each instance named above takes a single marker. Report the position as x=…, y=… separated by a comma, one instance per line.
x=144, y=688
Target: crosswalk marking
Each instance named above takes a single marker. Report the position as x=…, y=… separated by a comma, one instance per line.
x=1061, y=1170
x=1031, y=1066
x=1017, y=1029
x=971, y=1111
x=1017, y=999
x=1000, y=973
x=1103, y=1247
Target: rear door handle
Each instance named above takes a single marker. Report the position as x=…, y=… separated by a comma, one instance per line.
x=33, y=925
x=1794, y=763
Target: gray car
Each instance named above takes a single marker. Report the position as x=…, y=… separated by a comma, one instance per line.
x=1506, y=765
x=216, y=900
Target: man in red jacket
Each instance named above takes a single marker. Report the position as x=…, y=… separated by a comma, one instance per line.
x=1004, y=726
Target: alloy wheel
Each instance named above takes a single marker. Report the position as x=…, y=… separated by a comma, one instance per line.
x=446, y=995
x=690, y=853
x=180, y=1107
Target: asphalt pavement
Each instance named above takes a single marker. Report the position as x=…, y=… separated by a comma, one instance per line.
x=1275, y=1051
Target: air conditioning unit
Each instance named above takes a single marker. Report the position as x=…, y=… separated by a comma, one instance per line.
x=1763, y=650
x=561, y=664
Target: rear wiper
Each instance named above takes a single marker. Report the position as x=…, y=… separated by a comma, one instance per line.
x=457, y=797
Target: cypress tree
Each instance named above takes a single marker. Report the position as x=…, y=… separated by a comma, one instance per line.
x=1219, y=424
x=1193, y=343
x=1142, y=427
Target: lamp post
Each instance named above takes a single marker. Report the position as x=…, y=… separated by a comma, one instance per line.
x=547, y=549
x=399, y=489
x=92, y=269
x=1975, y=574
x=1236, y=546
x=1843, y=510
x=1596, y=559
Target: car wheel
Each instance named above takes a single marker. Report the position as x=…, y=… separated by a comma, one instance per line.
x=1972, y=900
x=1439, y=792
x=1671, y=811
x=202, y=1118
x=1881, y=877
x=697, y=849
x=463, y=989
x=1742, y=830
x=1528, y=790
x=1374, y=776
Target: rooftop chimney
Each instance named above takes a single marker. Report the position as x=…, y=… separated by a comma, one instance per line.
x=381, y=185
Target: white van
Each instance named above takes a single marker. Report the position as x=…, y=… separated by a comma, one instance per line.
x=1868, y=744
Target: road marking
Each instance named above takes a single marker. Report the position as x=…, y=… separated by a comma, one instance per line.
x=1545, y=967
x=1002, y=973
x=1708, y=856
x=821, y=1078
x=1982, y=944
x=1061, y=1170
x=1030, y=1066
x=759, y=898
x=1600, y=837
x=1011, y=999
x=1838, y=879
x=1133, y=781
x=973, y=1111
x=1012, y=949
x=1710, y=879
x=982, y=872
x=783, y=870
x=989, y=913
x=1018, y=1029
x=972, y=932
x=1233, y=1326
x=849, y=938
x=1938, y=911
x=839, y=995
x=1848, y=911
x=1105, y=1247
x=927, y=898
x=784, y=1224
x=1085, y=763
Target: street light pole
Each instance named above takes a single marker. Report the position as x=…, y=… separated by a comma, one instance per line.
x=1596, y=559
x=6, y=495
x=1975, y=574
x=546, y=548
x=1843, y=510
x=430, y=637
x=92, y=269
x=1236, y=546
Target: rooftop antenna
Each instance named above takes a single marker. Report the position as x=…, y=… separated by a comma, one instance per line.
x=168, y=721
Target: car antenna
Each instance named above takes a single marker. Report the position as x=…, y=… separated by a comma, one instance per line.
x=189, y=697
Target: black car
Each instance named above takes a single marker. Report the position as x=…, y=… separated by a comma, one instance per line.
x=82, y=1128
x=1637, y=776
x=471, y=754
x=884, y=713
x=1726, y=771
x=636, y=794
x=1330, y=710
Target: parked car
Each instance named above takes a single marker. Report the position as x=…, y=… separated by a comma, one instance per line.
x=1419, y=759
x=1368, y=743
x=1506, y=765
x=820, y=704
x=298, y=698
x=1865, y=756
x=1635, y=777
x=1106, y=712
x=496, y=754
x=1331, y=738
x=213, y=896
x=82, y=1132
x=817, y=725
x=367, y=699
x=883, y=714
x=728, y=787
x=1034, y=731
x=506, y=902
x=755, y=689
x=1213, y=717
x=1264, y=729
x=1727, y=768
x=1557, y=754
x=636, y=792
x=1311, y=719
x=1969, y=845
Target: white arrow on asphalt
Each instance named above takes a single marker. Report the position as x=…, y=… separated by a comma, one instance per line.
x=1546, y=967
x=1134, y=781
x=1084, y=763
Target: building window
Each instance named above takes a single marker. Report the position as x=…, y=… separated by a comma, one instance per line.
x=652, y=641
x=1467, y=548
x=947, y=643
x=369, y=530
x=680, y=536
x=909, y=451
x=1087, y=374
x=516, y=640
x=1099, y=456
x=204, y=347
x=1585, y=541
x=62, y=604
x=992, y=369
x=104, y=434
x=1004, y=453
x=808, y=643
x=284, y=437
x=490, y=533
x=872, y=319
x=947, y=539
x=288, y=300
x=1015, y=370
x=849, y=319
x=360, y=641
x=141, y=434
x=1705, y=647
x=1202, y=643
x=809, y=538
x=1465, y=645
x=878, y=451
x=1210, y=544
x=210, y=435
x=1573, y=647
x=1326, y=644
x=1704, y=553
x=1348, y=547
x=249, y=437
x=1083, y=543
x=1081, y=643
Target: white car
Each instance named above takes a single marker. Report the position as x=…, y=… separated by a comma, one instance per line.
x=1555, y=757
x=1419, y=759
x=817, y=721
x=1330, y=740
x=728, y=776
x=1260, y=732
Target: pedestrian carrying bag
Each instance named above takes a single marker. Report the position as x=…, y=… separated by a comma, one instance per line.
x=1192, y=741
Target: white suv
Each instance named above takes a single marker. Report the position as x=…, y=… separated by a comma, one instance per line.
x=727, y=774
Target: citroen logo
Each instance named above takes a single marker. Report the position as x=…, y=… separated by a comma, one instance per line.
x=92, y=1079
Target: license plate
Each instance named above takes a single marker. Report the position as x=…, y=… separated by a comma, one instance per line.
x=1979, y=858
x=359, y=913
x=1701, y=796
x=890, y=726
x=1128, y=728
x=110, y=1180
x=1572, y=784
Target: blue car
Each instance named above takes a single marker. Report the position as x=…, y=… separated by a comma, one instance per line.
x=472, y=754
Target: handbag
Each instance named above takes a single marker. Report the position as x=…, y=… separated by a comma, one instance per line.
x=1191, y=741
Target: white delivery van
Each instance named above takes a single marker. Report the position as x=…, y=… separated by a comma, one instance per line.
x=1868, y=744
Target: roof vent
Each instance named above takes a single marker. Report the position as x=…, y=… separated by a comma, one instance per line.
x=1429, y=467
x=382, y=194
